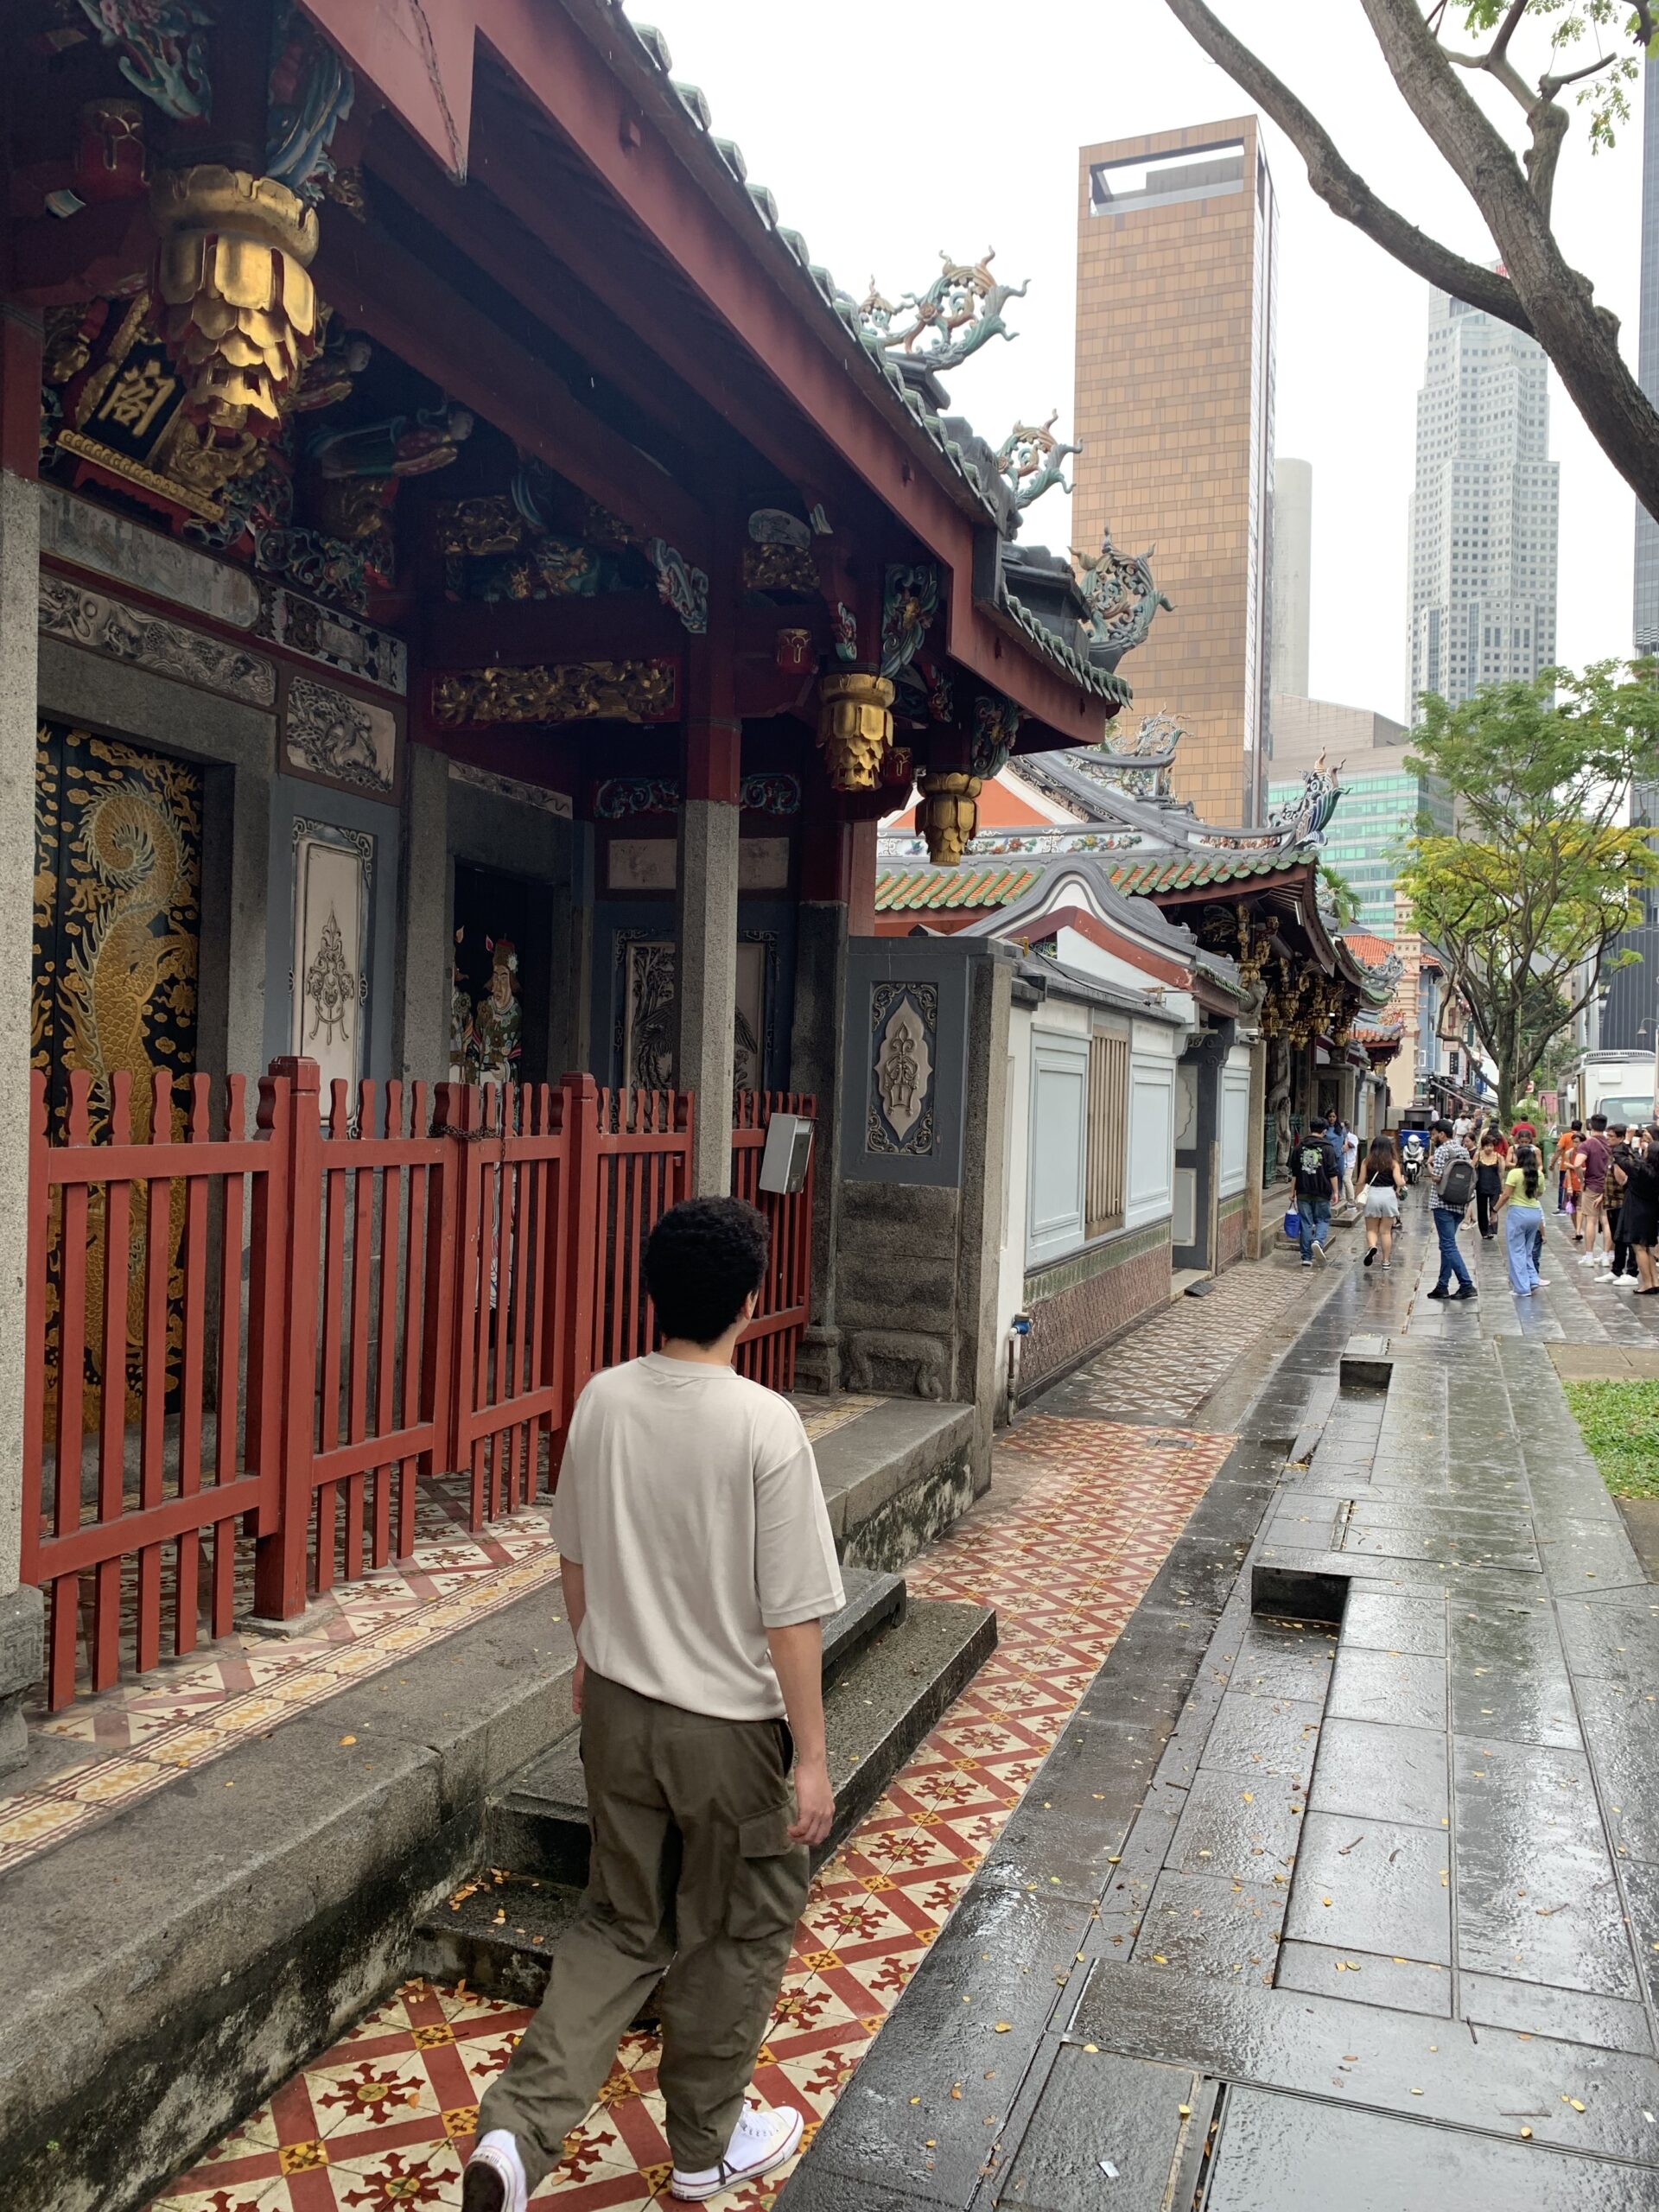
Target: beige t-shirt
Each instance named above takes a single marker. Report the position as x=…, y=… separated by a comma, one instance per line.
x=690, y=1497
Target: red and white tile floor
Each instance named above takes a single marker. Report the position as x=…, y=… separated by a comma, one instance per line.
x=1077, y=1522
x=128, y=1742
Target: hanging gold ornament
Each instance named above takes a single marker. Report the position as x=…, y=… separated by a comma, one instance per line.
x=854, y=728
x=948, y=814
x=238, y=311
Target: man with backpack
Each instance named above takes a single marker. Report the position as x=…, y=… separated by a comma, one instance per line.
x=1452, y=1171
x=1319, y=1180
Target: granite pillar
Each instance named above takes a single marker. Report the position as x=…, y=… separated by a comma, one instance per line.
x=422, y=989
x=20, y=1643
x=706, y=1006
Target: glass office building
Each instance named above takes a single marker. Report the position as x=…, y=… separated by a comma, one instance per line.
x=1377, y=812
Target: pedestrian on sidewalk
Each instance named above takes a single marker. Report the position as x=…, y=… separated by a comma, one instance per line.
x=1521, y=1202
x=1319, y=1178
x=1566, y=1144
x=1350, y=1163
x=1489, y=1184
x=1618, y=1163
x=1380, y=1184
x=1639, y=1211
x=1452, y=1173
x=697, y=1567
x=1590, y=1160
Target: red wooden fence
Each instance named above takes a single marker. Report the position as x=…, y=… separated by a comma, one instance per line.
x=282, y=1329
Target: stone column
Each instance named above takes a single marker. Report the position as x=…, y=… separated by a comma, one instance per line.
x=422, y=987
x=708, y=980
x=822, y=928
x=21, y=1642
x=706, y=876
x=1257, y=1149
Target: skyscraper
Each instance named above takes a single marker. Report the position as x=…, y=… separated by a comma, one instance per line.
x=1292, y=570
x=1482, y=514
x=1176, y=253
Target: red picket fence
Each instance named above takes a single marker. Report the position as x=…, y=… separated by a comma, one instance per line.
x=768, y=1350
x=276, y=1333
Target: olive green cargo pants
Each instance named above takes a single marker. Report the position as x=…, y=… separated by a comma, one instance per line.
x=692, y=1871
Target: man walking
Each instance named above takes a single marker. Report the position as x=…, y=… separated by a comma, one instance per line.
x=1591, y=1159
x=1319, y=1178
x=697, y=1567
x=1452, y=1173
x=1350, y=1160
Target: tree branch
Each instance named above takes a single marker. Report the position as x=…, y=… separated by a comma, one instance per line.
x=1581, y=339
x=1342, y=188
x=1537, y=291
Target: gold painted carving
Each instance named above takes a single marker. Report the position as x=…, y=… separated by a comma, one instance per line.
x=479, y=527
x=948, y=814
x=577, y=691
x=854, y=728
x=239, y=314
x=780, y=568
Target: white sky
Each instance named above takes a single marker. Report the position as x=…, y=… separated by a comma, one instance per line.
x=888, y=132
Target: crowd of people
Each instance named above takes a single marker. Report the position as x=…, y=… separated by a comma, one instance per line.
x=1606, y=1181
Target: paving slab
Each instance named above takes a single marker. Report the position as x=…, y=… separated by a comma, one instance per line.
x=1537, y=1896
x=1365, y=1977
x=1402, y=1686
x=1373, y=1885
x=1205, y=1924
x=1295, y=2154
x=1374, y=1770
x=1106, y=2130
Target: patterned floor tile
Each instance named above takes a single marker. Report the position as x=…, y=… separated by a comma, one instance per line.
x=1081, y=1514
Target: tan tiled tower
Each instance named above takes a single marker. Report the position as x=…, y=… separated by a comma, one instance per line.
x=1176, y=250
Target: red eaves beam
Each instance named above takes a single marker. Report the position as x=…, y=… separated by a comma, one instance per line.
x=378, y=286
x=1159, y=966
x=579, y=67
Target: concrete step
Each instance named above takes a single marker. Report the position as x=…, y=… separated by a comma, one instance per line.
x=880, y=1705
x=538, y=1824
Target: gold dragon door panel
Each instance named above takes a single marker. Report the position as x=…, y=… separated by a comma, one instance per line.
x=117, y=884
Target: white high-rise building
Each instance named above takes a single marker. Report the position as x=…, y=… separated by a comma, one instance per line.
x=1484, y=513
x=1292, y=566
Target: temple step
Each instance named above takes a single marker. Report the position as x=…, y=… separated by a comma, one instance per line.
x=899, y=1670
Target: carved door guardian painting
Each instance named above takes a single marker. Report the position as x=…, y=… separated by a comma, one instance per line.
x=648, y=986
x=904, y=1023
x=333, y=877
x=118, y=876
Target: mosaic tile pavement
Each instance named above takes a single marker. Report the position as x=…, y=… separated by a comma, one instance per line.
x=128, y=1742
x=1180, y=1355
x=1081, y=1514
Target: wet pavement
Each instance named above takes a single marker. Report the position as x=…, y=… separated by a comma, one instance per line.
x=1380, y=1925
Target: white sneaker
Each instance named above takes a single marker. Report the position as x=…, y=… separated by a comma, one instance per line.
x=763, y=2138
x=1318, y=1254
x=494, y=2180
x=1588, y=1260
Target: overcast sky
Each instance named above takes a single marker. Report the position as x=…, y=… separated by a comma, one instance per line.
x=888, y=132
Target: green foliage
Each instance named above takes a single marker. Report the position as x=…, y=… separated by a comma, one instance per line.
x=1620, y=1424
x=1580, y=33
x=1341, y=894
x=1539, y=877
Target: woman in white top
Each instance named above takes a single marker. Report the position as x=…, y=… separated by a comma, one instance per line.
x=1380, y=1186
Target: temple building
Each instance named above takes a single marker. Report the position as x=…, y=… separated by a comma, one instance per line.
x=1192, y=1004
x=471, y=584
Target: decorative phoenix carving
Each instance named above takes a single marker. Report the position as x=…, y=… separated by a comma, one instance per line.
x=575, y=692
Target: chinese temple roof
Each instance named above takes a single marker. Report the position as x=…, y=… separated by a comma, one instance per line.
x=949, y=889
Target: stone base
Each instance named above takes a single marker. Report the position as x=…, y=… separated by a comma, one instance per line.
x=23, y=1660
x=817, y=1362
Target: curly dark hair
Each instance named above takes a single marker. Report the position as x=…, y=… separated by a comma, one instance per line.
x=703, y=1260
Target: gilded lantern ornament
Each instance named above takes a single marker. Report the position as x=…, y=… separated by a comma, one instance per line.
x=948, y=814
x=236, y=306
x=854, y=728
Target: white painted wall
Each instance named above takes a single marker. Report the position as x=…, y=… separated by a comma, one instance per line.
x=1235, y=1121
x=1150, y=1195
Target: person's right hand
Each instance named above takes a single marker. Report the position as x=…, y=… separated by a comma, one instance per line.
x=815, y=1800
x=578, y=1684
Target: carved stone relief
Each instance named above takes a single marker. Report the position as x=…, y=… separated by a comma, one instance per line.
x=331, y=733
x=109, y=625
x=334, y=873
x=903, y=1026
